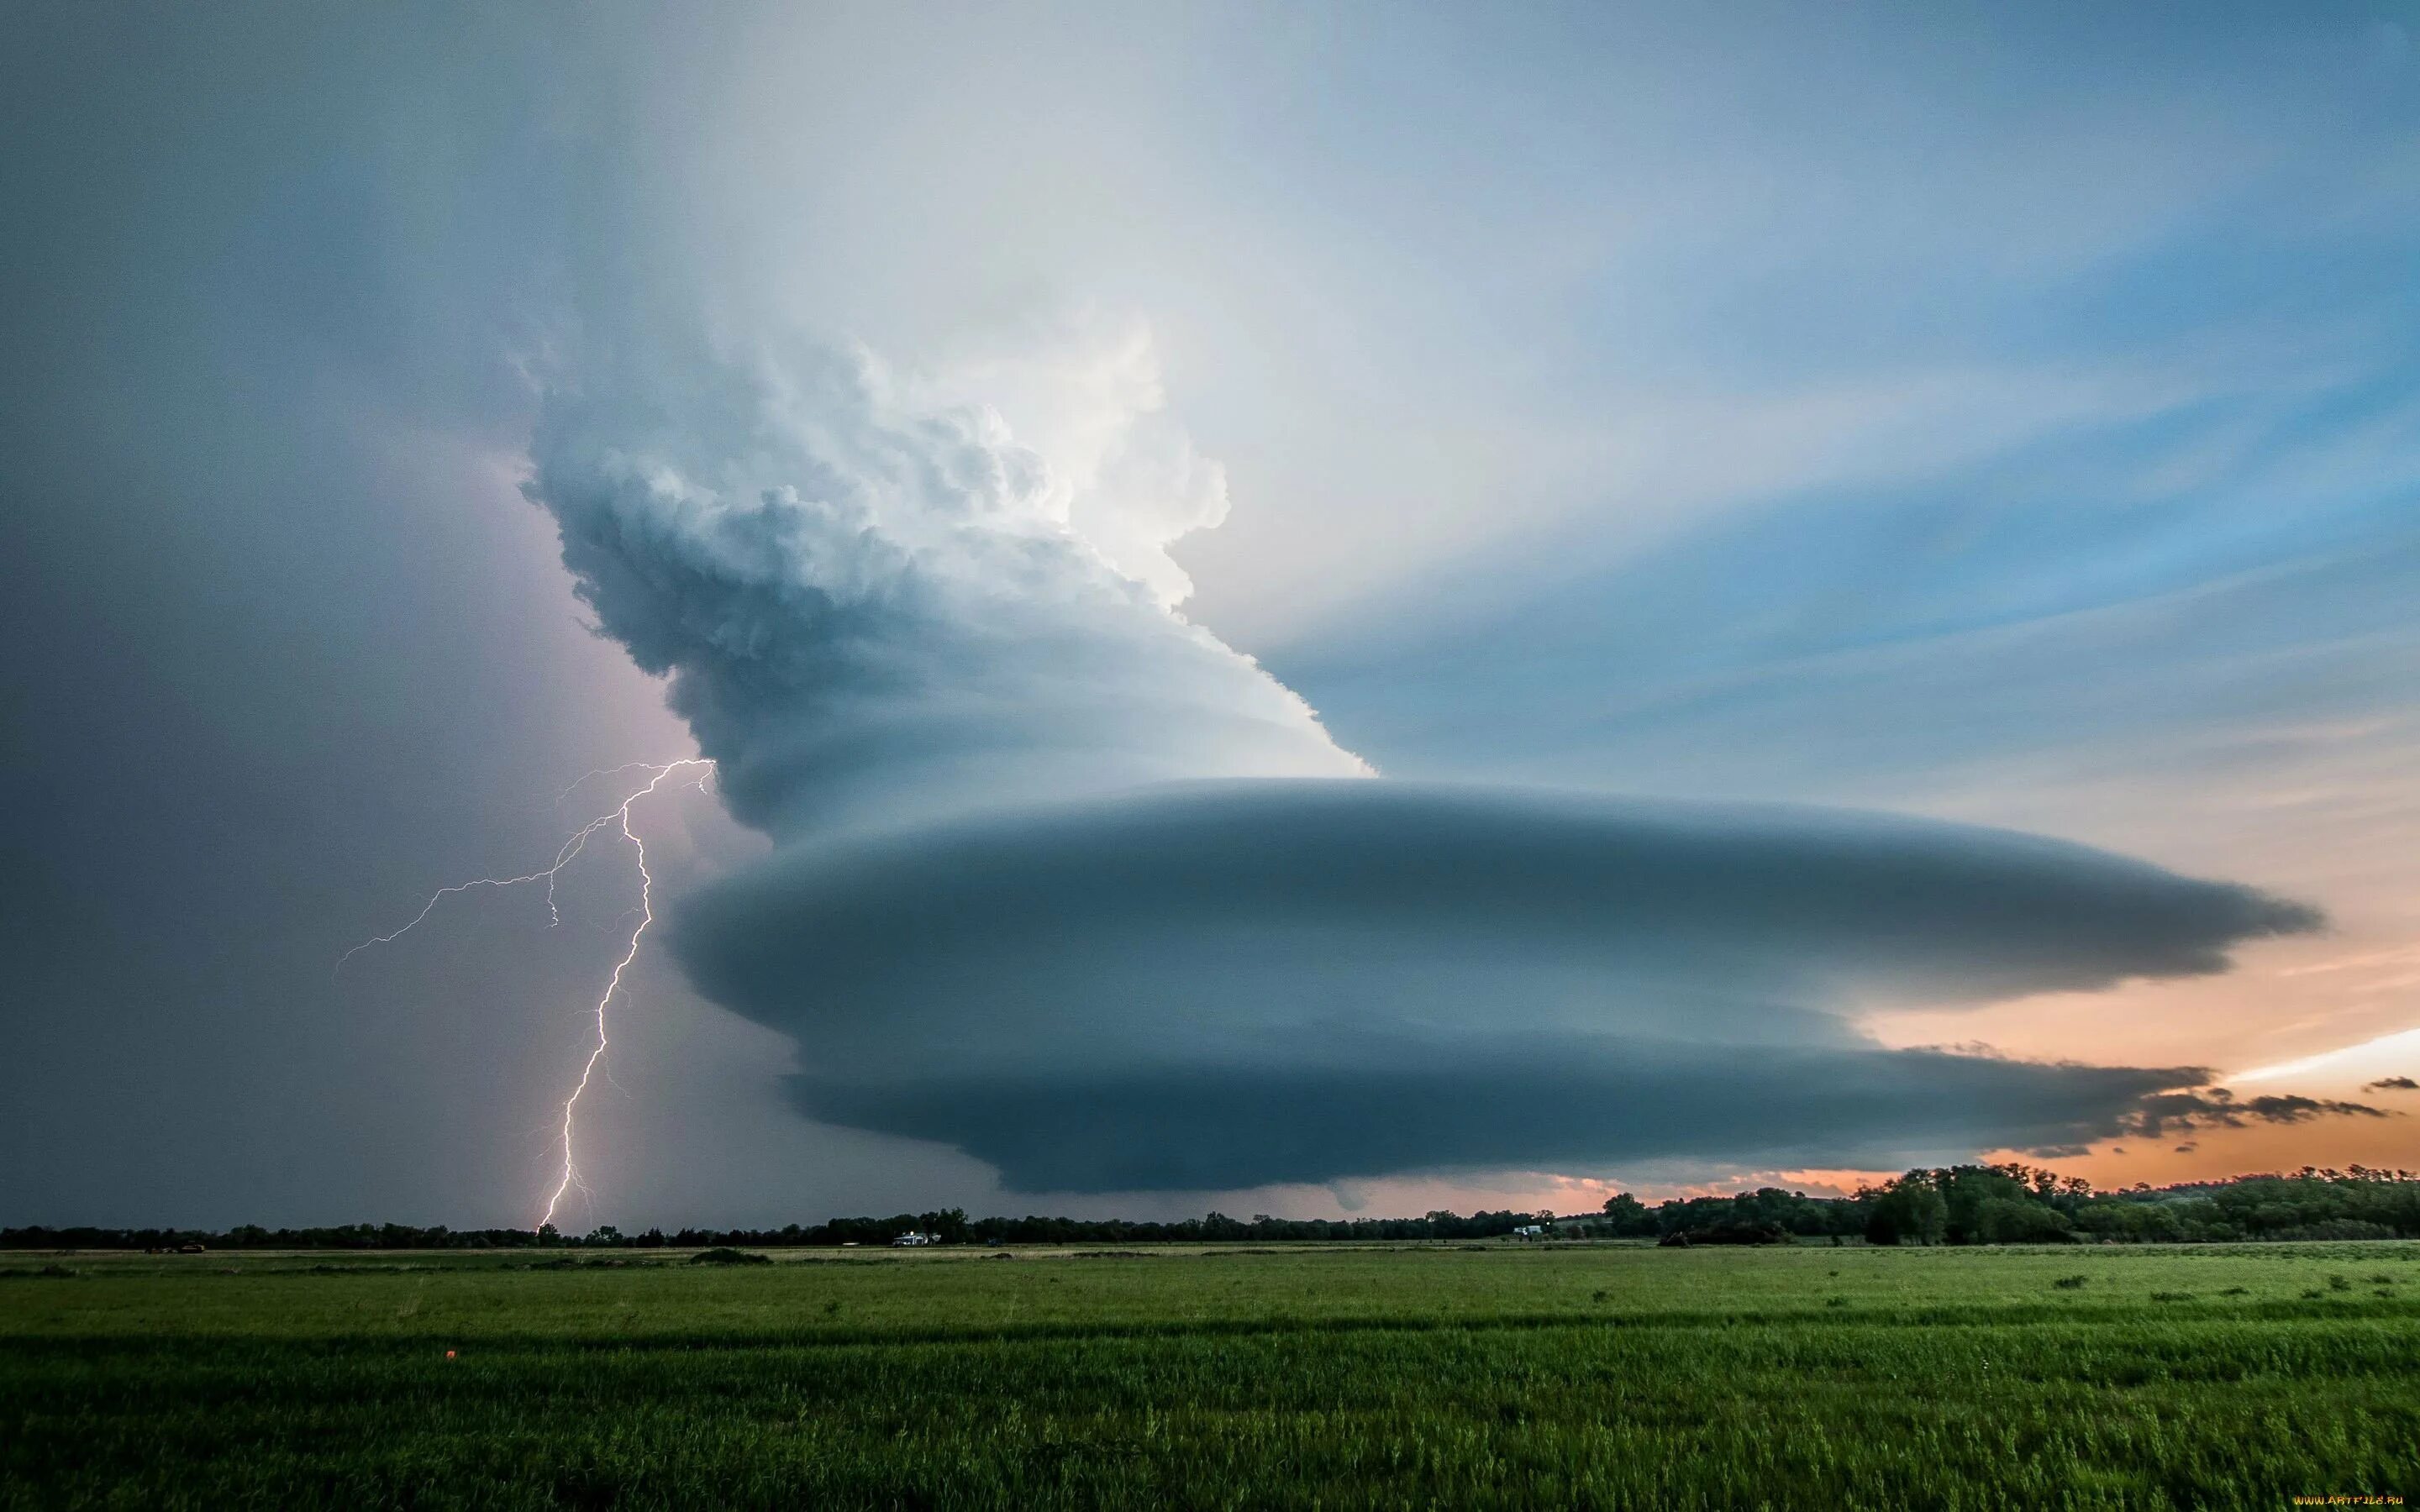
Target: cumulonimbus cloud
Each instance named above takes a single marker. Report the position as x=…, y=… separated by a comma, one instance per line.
x=872, y=609
x=1061, y=880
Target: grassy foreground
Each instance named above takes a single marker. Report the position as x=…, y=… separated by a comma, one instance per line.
x=1495, y=1375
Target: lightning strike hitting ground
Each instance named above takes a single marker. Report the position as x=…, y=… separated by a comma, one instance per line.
x=647, y=917
x=572, y=849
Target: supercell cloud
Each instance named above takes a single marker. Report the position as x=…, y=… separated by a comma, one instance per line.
x=1231, y=984
x=1065, y=882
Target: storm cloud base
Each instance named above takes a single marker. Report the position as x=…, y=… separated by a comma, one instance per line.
x=1211, y=986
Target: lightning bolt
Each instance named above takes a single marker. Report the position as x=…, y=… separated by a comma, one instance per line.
x=613, y=985
x=618, y=817
x=570, y=852
x=650, y=768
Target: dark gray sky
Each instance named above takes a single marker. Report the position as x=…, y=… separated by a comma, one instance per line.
x=1993, y=420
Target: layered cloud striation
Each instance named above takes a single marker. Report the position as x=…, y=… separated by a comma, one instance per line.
x=1063, y=881
x=1229, y=984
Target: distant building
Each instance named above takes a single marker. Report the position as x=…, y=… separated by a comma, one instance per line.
x=915, y=1238
x=1530, y=1231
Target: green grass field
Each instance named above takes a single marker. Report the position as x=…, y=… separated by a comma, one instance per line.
x=1483, y=1375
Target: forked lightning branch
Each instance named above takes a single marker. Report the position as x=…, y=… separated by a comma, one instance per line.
x=699, y=771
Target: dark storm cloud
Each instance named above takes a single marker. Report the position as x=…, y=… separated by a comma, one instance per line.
x=1946, y=909
x=1229, y=984
x=1548, y=1103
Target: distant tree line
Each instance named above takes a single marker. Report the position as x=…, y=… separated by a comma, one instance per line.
x=2018, y=1204
x=950, y=1225
x=2001, y=1204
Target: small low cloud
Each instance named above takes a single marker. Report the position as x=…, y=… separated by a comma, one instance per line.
x=2219, y=1108
x=2392, y=1084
